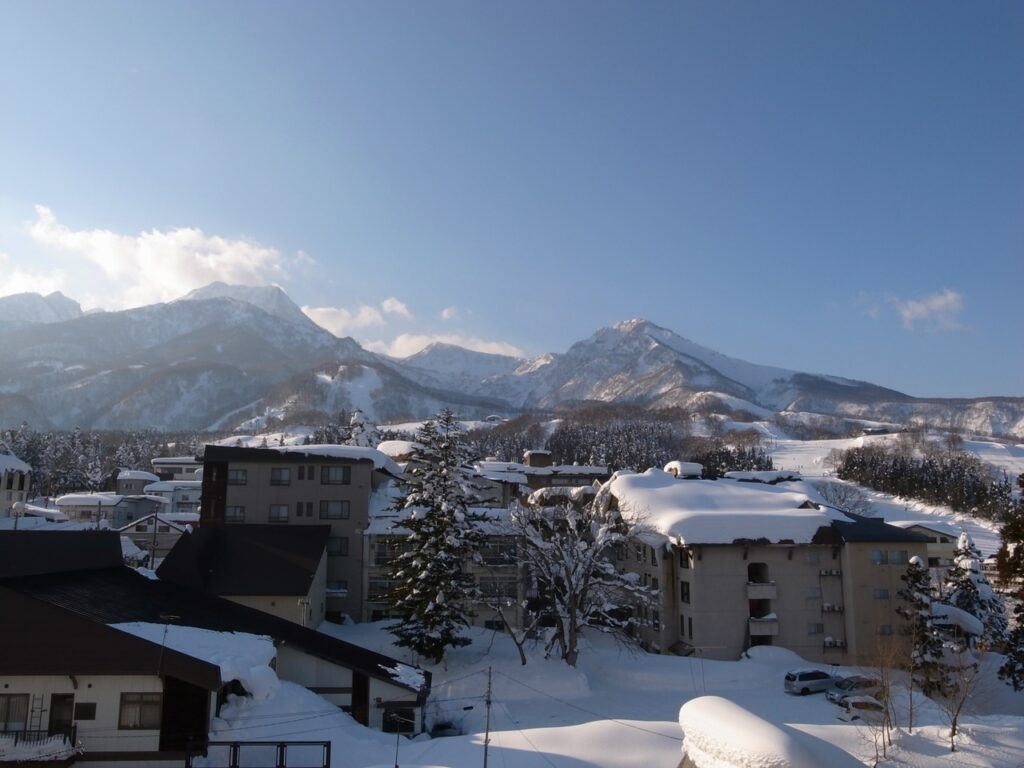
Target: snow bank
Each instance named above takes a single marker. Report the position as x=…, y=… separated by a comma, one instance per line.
x=715, y=512
x=239, y=655
x=718, y=733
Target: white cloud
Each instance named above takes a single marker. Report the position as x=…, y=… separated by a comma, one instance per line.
x=18, y=280
x=409, y=344
x=341, y=321
x=393, y=306
x=157, y=266
x=449, y=313
x=937, y=311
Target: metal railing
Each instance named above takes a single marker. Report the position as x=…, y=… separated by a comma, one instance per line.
x=261, y=754
x=14, y=738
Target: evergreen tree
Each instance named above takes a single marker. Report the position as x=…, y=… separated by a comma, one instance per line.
x=926, y=645
x=1011, y=570
x=968, y=589
x=362, y=431
x=433, y=590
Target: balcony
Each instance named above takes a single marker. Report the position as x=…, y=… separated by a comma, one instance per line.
x=766, y=626
x=764, y=590
x=37, y=747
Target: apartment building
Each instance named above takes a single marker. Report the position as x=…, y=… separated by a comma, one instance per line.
x=302, y=486
x=738, y=564
x=15, y=481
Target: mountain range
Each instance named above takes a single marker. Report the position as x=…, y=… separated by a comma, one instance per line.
x=228, y=355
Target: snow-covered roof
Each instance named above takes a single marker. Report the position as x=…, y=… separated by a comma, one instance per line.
x=684, y=468
x=499, y=470
x=163, y=486
x=177, y=520
x=104, y=499
x=352, y=452
x=715, y=512
x=718, y=733
x=763, y=476
x=11, y=463
x=136, y=474
x=53, y=515
x=556, y=493
x=939, y=527
x=396, y=448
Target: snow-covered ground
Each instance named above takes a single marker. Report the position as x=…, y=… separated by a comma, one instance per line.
x=619, y=708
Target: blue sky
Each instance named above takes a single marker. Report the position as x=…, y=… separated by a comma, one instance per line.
x=821, y=186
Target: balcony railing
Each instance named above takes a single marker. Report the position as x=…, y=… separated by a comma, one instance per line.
x=762, y=590
x=38, y=746
x=261, y=754
x=768, y=626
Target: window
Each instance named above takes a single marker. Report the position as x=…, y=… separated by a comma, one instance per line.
x=140, y=711
x=341, y=585
x=13, y=711
x=234, y=514
x=280, y=476
x=279, y=513
x=302, y=472
x=654, y=583
x=334, y=510
x=879, y=557
x=498, y=586
x=337, y=546
x=656, y=620
x=898, y=557
x=377, y=589
x=684, y=558
x=641, y=552
x=654, y=556
x=880, y=593
x=85, y=710
x=689, y=626
x=336, y=475
x=684, y=591
x=238, y=476
x=885, y=629
x=933, y=562
x=298, y=509
x=815, y=628
x=163, y=529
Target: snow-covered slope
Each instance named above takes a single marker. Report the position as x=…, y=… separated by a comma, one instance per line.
x=456, y=368
x=269, y=298
x=21, y=309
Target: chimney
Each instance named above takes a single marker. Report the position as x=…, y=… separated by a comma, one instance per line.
x=537, y=458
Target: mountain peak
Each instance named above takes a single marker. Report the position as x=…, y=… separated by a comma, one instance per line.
x=270, y=298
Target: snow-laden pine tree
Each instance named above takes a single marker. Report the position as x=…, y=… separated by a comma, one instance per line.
x=926, y=644
x=568, y=550
x=433, y=590
x=362, y=431
x=967, y=588
x=1011, y=570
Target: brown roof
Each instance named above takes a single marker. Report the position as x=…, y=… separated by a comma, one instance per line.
x=24, y=553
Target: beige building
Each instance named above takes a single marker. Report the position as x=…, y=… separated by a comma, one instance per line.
x=133, y=481
x=15, y=481
x=292, y=486
x=738, y=564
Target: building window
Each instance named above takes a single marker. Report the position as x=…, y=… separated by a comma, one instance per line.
x=689, y=627
x=280, y=476
x=279, y=513
x=13, y=711
x=641, y=552
x=815, y=628
x=302, y=472
x=898, y=557
x=337, y=546
x=341, y=585
x=140, y=711
x=234, y=514
x=684, y=558
x=163, y=529
x=336, y=475
x=885, y=629
x=238, y=476
x=85, y=710
x=498, y=586
x=377, y=589
x=879, y=557
x=684, y=591
x=880, y=593
x=334, y=510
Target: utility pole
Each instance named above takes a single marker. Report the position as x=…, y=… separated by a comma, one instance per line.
x=487, y=727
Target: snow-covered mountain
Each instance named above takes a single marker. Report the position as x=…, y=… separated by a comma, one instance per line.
x=224, y=355
x=22, y=309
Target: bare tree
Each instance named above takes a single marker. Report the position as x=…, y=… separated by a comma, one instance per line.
x=961, y=678
x=845, y=497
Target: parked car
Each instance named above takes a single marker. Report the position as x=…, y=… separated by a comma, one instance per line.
x=856, y=685
x=805, y=681
x=864, y=708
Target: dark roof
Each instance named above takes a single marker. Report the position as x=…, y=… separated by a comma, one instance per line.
x=866, y=529
x=289, y=455
x=247, y=559
x=24, y=553
x=51, y=640
x=116, y=595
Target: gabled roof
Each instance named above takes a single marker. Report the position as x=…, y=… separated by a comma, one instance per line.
x=120, y=595
x=247, y=559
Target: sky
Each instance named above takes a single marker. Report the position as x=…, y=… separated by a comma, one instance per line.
x=833, y=188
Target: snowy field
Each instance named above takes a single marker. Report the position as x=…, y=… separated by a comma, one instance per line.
x=618, y=709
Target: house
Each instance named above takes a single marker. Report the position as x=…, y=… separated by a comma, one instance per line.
x=295, y=486
x=176, y=467
x=15, y=480
x=184, y=495
x=113, y=509
x=279, y=570
x=158, y=532
x=737, y=564
x=131, y=482
x=517, y=480
x=942, y=543
x=106, y=651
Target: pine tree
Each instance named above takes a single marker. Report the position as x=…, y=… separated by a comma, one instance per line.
x=926, y=644
x=968, y=589
x=1011, y=569
x=433, y=590
x=362, y=431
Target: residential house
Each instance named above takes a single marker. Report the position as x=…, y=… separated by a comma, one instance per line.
x=86, y=657
x=156, y=534
x=294, y=486
x=942, y=543
x=737, y=564
x=132, y=482
x=111, y=509
x=176, y=467
x=279, y=570
x=515, y=481
x=184, y=495
x=15, y=481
